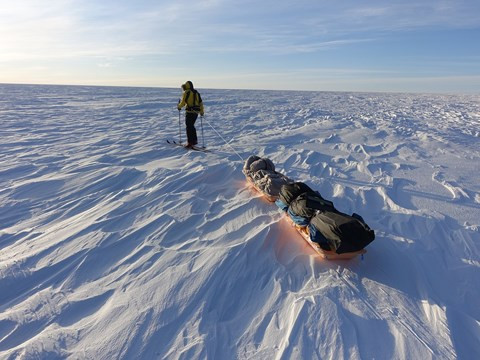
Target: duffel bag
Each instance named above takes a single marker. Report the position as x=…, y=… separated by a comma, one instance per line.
x=343, y=232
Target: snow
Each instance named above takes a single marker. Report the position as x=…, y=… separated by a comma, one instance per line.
x=116, y=245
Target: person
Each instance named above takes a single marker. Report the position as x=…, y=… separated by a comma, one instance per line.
x=193, y=103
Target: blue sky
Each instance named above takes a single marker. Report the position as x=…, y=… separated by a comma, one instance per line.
x=351, y=45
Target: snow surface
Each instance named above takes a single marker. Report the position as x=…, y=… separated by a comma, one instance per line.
x=116, y=245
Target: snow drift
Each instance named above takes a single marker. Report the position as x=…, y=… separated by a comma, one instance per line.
x=114, y=244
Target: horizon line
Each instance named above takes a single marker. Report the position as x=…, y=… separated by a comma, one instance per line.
x=413, y=92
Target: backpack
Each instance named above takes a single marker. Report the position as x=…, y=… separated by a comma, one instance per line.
x=197, y=100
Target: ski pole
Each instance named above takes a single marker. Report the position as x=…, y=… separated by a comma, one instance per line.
x=201, y=125
x=179, y=128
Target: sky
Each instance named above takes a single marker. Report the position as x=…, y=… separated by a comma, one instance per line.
x=322, y=45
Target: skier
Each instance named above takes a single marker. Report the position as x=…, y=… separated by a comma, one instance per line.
x=193, y=101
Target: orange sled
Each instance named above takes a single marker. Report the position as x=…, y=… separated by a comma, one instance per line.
x=303, y=230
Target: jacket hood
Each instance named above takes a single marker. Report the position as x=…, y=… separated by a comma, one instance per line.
x=187, y=86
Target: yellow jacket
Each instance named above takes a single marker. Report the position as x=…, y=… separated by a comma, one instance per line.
x=191, y=99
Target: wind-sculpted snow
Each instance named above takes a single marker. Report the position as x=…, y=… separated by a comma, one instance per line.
x=116, y=245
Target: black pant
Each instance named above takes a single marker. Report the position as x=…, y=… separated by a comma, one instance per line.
x=190, y=119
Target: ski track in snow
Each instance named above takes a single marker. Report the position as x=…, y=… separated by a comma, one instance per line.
x=116, y=245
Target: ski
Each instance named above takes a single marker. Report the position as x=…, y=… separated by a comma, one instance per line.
x=195, y=148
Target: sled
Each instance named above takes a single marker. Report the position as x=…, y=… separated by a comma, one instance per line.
x=303, y=230
x=269, y=198
x=328, y=255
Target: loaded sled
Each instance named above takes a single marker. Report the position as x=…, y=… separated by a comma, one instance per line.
x=332, y=234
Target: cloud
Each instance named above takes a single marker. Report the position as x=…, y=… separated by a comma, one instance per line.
x=269, y=45
x=406, y=15
x=32, y=29
x=122, y=35
x=341, y=79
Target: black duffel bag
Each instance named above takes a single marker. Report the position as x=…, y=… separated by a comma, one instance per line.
x=343, y=232
x=307, y=204
x=289, y=192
